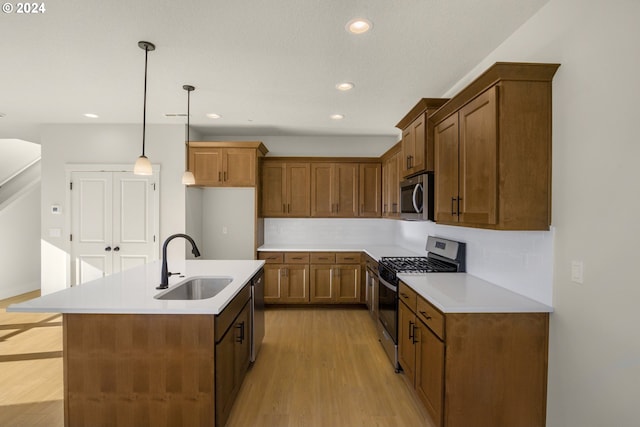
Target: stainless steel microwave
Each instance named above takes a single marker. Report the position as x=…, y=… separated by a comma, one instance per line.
x=416, y=198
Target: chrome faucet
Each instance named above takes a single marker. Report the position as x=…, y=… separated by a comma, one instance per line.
x=164, y=279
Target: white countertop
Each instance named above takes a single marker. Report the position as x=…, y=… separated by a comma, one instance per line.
x=464, y=293
x=375, y=251
x=133, y=291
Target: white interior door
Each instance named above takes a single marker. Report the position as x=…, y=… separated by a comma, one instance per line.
x=113, y=223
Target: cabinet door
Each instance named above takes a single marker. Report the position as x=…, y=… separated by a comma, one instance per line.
x=394, y=185
x=346, y=185
x=232, y=356
x=296, y=284
x=272, y=283
x=239, y=168
x=478, y=160
x=206, y=165
x=429, y=376
x=370, y=196
x=347, y=283
x=298, y=188
x=446, y=170
x=418, y=128
x=408, y=150
x=406, y=345
x=322, y=281
x=273, y=189
x=322, y=191
x=242, y=351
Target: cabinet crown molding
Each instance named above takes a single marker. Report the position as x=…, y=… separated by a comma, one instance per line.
x=258, y=145
x=500, y=71
x=423, y=105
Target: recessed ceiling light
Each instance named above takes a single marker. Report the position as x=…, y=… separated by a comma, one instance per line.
x=91, y=115
x=337, y=116
x=345, y=86
x=214, y=116
x=359, y=26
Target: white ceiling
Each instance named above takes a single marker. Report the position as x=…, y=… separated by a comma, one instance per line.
x=268, y=67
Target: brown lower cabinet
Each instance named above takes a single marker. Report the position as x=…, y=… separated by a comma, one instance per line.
x=474, y=369
x=157, y=370
x=232, y=356
x=312, y=277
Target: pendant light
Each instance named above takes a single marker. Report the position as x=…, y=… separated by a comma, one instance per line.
x=187, y=176
x=143, y=165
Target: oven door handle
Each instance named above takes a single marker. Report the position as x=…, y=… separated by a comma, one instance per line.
x=387, y=284
x=417, y=208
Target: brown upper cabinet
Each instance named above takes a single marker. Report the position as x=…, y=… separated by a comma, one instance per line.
x=370, y=191
x=225, y=164
x=286, y=189
x=391, y=181
x=417, y=144
x=334, y=190
x=493, y=150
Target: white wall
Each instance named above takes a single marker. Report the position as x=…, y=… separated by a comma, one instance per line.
x=228, y=223
x=20, y=245
x=110, y=144
x=594, y=359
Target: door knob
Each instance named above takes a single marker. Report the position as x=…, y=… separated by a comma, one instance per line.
x=108, y=249
x=116, y=249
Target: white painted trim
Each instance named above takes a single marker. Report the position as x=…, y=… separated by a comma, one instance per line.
x=106, y=167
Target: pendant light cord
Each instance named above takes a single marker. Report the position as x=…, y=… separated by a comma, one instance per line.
x=188, y=113
x=144, y=109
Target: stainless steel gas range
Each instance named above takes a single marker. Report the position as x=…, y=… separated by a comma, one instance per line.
x=444, y=256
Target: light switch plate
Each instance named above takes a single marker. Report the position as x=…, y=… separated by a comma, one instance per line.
x=577, y=271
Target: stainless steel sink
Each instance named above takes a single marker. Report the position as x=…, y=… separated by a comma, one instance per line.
x=196, y=288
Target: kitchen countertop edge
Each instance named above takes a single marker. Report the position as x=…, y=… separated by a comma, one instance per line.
x=132, y=291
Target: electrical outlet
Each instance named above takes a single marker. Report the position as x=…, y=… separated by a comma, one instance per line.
x=577, y=271
x=224, y=230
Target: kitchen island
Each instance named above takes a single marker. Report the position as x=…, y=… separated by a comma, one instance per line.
x=133, y=360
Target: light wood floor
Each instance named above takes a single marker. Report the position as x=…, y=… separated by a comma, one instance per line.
x=317, y=367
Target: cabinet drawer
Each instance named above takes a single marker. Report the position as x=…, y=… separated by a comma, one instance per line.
x=224, y=320
x=323, y=258
x=296, y=257
x=348, y=257
x=271, y=257
x=408, y=296
x=431, y=317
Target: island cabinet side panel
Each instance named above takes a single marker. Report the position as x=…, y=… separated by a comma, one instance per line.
x=496, y=369
x=138, y=370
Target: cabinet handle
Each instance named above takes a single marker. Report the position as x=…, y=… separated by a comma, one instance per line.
x=424, y=313
x=403, y=295
x=288, y=207
x=297, y=257
x=411, y=324
x=408, y=163
x=220, y=176
x=459, y=200
x=225, y=175
x=415, y=336
x=453, y=199
x=240, y=327
x=384, y=208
